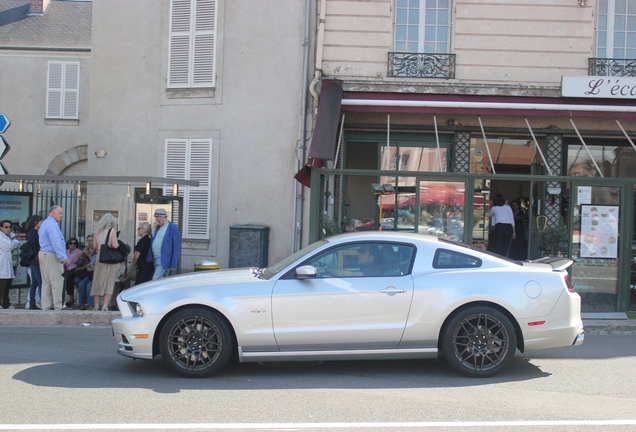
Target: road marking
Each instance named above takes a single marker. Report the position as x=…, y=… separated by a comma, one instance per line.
x=279, y=426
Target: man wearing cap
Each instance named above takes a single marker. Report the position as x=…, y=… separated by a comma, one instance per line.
x=52, y=257
x=166, y=245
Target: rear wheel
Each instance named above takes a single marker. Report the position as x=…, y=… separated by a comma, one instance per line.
x=195, y=342
x=479, y=341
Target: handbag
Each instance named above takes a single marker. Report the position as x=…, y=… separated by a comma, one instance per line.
x=108, y=255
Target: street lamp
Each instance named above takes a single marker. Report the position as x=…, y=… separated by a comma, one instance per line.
x=379, y=190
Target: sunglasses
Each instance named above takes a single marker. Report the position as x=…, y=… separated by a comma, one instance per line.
x=6, y=226
x=73, y=243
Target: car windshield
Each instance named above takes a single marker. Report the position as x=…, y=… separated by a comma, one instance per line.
x=271, y=271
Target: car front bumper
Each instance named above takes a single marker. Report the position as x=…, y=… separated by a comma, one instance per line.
x=134, y=334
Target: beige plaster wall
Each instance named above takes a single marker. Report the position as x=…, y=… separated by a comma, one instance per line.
x=500, y=41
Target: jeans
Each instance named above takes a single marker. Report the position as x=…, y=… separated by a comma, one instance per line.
x=36, y=283
x=84, y=286
x=159, y=271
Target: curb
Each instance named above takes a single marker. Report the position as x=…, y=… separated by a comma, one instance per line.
x=38, y=317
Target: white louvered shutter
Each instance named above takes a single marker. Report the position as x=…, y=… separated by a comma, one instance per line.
x=192, y=43
x=54, y=90
x=192, y=160
x=71, y=90
x=62, y=94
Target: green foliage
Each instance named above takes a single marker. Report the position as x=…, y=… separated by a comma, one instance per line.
x=554, y=236
x=332, y=227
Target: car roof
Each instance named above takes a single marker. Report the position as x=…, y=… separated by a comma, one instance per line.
x=383, y=236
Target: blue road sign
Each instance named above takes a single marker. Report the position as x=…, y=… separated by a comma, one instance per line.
x=4, y=123
x=4, y=147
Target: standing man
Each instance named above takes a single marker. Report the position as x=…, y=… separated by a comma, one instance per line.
x=166, y=245
x=52, y=258
x=7, y=244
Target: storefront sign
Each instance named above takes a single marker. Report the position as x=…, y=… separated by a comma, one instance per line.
x=599, y=231
x=598, y=87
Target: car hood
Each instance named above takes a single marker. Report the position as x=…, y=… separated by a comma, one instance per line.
x=189, y=280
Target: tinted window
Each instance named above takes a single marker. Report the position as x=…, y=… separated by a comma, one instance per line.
x=451, y=259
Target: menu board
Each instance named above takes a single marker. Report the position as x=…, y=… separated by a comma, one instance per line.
x=599, y=231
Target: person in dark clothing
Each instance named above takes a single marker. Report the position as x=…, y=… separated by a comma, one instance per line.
x=33, y=225
x=144, y=268
x=518, y=248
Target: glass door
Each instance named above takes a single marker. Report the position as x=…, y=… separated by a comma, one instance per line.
x=596, y=213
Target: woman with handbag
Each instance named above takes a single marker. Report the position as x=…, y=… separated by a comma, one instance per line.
x=105, y=275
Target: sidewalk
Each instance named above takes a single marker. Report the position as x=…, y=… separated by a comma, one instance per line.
x=609, y=323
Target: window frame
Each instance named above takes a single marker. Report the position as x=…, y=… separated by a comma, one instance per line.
x=606, y=24
x=192, y=40
x=62, y=90
x=422, y=42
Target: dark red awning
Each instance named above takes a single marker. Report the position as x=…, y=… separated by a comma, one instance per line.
x=323, y=142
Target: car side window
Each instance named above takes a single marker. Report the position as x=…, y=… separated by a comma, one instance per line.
x=445, y=258
x=364, y=259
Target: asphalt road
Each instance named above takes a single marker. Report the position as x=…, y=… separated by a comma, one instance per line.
x=70, y=378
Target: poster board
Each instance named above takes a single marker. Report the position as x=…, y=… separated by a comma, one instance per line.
x=599, y=231
x=17, y=207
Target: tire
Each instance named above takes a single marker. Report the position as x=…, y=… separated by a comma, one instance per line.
x=195, y=342
x=479, y=341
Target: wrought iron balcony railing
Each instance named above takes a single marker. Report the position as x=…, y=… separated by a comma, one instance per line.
x=612, y=67
x=421, y=65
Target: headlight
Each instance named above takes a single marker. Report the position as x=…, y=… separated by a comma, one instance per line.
x=136, y=309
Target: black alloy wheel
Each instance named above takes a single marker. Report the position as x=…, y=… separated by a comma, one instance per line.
x=195, y=342
x=479, y=341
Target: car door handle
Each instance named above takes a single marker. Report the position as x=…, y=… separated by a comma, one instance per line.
x=393, y=290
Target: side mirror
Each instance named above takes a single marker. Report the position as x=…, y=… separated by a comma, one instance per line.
x=306, y=272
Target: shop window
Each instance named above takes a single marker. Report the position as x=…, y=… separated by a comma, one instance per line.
x=509, y=155
x=611, y=160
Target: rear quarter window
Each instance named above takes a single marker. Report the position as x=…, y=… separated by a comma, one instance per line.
x=448, y=259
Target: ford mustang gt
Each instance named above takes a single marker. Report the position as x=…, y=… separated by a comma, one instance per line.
x=373, y=295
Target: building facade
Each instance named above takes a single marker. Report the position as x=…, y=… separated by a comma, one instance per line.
x=451, y=103
x=205, y=90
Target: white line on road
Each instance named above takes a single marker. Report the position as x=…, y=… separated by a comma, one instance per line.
x=279, y=426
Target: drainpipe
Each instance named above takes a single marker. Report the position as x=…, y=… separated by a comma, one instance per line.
x=319, y=46
x=299, y=190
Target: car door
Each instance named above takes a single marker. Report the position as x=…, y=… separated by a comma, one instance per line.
x=349, y=304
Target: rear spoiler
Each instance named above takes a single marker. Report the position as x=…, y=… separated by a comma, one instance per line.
x=557, y=263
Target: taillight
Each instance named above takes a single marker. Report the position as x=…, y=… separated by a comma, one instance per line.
x=568, y=284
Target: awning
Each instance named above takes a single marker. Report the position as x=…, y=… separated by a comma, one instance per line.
x=323, y=142
x=484, y=105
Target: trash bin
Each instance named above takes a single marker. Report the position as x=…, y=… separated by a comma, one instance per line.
x=206, y=265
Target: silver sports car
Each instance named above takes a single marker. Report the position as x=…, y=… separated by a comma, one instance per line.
x=374, y=295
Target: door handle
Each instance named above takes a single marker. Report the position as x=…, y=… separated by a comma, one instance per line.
x=393, y=290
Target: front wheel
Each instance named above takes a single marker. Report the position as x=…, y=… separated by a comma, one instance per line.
x=479, y=341
x=195, y=342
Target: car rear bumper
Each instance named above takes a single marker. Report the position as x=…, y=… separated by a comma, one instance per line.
x=563, y=327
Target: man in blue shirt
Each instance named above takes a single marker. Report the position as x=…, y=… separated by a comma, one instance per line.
x=52, y=259
x=165, y=250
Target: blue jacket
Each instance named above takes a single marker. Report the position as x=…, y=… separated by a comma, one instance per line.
x=170, y=247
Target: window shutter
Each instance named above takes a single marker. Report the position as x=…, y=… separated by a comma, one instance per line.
x=198, y=198
x=204, y=44
x=192, y=43
x=191, y=160
x=71, y=90
x=54, y=90
x=179, y=49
